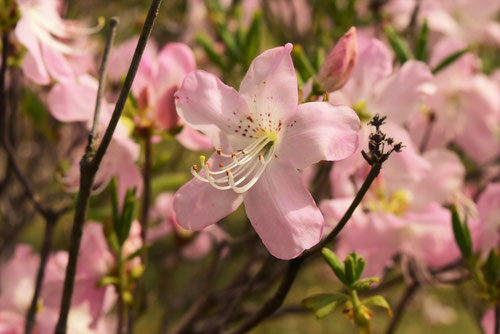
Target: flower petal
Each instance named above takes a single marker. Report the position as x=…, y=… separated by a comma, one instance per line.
x=283, y=212
x=320, y=131
x=193, y=140
x=270, y=85
x=197, y=204
x=33, y=65
x=175, y=60
x=73, y=101
x=207, y=104
x=401, y=94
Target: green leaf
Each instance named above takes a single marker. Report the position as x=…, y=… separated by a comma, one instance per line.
x=302, y=63
x=208, y=45
x=492, y=268
x=137, y=252
x=350, y=273
x=421, y=47
x=462, y=234
x=229, y=41
x=123, y=224
x=252, y=40
x=450, y=60
x=378, y=301
x=365, y=283
x=325, y=303
x=108, y=280
x=398, y=44
x=359, y=263
x=334, y=262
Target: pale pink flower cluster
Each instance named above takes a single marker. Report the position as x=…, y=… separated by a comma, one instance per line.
x=91, y=302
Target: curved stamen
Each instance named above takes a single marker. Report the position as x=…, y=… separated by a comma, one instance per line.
x=239, y=175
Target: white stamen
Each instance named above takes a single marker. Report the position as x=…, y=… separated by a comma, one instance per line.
x=243, y=172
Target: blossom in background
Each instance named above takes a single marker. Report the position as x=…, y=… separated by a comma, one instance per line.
x=95, y=261
x=262, y=137
x=402, y=211
x=465, y=107
x=488, y=222
x=199, y=245
x=69, y=102
x=50, y=41
x=159, y=76
x=467, y=20
x=376, y=87
x=17, y=286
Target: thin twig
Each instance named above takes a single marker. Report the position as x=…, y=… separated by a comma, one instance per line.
x=403, y=303
x=274, y=303
x=87, y=174
x=44, y=256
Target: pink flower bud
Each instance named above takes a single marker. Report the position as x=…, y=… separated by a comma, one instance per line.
x=339, y=63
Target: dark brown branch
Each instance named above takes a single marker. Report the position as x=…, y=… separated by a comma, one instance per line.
x=90, y=161
x=400, y=309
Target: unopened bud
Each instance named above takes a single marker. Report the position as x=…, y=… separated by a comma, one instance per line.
x=339, y=63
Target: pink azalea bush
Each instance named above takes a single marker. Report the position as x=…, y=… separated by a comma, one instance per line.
x=373, y=141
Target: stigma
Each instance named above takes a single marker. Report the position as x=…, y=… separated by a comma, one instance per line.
x=239, y=170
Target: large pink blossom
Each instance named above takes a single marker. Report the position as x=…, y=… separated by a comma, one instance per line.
x=159, y=76
x=50, y=41
x=262, y=137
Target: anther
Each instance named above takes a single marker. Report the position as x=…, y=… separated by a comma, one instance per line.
x=195, y=167
x=219, y=151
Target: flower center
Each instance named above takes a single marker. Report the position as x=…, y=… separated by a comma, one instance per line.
x=239, y=170
x=396, y=204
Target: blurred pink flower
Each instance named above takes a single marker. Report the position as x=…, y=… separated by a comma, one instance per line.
x=488, y=321
x=95, y=261
x=159, y=76
x=453, y=18
x=50, y=40
x=488, y=206
x=201, y=244
x=262, y=137
x=465, y=107
x=69, y=102
x=376, y=88
x=339, y=63
x=402, y=211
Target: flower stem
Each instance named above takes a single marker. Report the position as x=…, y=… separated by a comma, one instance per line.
x=403, y=303
x=294, y=265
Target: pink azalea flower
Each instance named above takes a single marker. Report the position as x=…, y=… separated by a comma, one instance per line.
x=466, y=107
x=48, y=37
x=95, y=261
x=201, y=244
x=69, y=102
x=402, y=211
x=159, y=76
x=376, y=88
x=262, y=137
x=457, y=19
x=488, y=206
